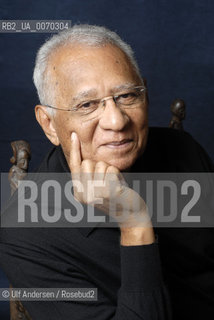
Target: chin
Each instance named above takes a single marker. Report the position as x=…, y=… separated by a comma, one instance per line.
x=123, y=164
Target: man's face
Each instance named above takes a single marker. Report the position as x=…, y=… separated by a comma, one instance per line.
x=81, y=73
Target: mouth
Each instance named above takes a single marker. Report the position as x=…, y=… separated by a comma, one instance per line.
x=125, y=143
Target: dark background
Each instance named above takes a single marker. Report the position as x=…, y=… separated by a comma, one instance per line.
x=173, y=41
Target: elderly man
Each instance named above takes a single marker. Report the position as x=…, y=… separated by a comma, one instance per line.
x=93, y=108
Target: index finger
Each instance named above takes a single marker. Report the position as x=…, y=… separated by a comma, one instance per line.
x=75, y=153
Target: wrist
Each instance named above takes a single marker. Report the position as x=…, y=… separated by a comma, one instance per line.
x=136, y=236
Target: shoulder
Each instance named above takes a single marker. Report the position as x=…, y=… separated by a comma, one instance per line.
x=175, y=150
x=54, y=161
x=170, y=135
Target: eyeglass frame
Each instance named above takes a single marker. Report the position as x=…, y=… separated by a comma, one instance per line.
x=113, y=97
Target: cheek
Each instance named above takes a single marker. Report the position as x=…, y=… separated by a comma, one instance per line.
x=86, y=132
x=64, y=126
x=139, y=118
x=140, y=126
x=64, y=129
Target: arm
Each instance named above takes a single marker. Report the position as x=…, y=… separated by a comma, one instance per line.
x=142, y=294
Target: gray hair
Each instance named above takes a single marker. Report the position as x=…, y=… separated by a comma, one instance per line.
x=90, y=35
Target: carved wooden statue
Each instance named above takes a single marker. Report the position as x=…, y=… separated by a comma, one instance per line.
x=17, y=311
x=178, y=109
x=20, y=160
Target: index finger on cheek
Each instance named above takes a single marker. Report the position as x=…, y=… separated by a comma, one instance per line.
x=75, y=153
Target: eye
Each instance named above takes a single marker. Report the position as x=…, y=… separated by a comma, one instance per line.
x=128, y=97
x=86, y=105
x=89, y=104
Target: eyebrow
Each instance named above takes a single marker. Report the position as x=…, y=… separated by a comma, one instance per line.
x=84, y=94
x=123, y=86
x=93, y=92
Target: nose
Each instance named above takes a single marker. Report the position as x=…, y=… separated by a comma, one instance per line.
x=113, y=118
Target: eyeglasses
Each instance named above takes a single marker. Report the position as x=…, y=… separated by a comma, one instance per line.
x=125, y=99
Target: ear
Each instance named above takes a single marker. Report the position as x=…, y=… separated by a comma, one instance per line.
x=46, y=121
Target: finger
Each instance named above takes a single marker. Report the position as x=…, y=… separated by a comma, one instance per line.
x=87, y=172
x=115, y=174
x=115, y=180
x=111, y=179
x=75, y=153
x=100, y=170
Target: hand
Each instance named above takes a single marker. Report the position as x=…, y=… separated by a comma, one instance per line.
x=101, y=180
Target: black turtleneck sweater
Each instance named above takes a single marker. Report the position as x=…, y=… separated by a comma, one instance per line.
x=132, y=282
